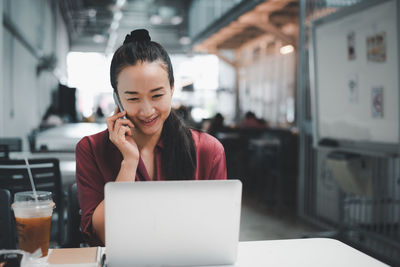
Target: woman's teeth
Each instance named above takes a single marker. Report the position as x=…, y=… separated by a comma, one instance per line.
x=149, y=121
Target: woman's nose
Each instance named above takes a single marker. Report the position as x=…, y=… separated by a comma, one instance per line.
x=146, y=109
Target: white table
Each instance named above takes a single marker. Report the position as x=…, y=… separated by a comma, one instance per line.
x=302, y=252
x=66, y=136
x=298, y=252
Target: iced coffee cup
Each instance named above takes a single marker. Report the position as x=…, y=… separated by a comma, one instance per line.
x=33, y=220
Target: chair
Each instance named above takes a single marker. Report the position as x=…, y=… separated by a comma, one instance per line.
x=7, y=233
x=9, y=144
x=4, y=152
x=46, y=175
x=235, y=154
x=74, y=234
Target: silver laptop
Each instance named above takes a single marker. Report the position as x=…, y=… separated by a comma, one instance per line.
x=172, y=223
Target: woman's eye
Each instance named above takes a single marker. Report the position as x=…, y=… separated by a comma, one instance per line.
x=133, y=99
x=157, y=96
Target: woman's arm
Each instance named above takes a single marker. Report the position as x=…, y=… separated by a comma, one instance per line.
x=120, y=135
x=98, y=222
x=218, y=165
x=210, y=154
x=90, y=184
x=90, y=180
x=126, y=174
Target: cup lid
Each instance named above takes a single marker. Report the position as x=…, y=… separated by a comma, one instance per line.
x=30, y=196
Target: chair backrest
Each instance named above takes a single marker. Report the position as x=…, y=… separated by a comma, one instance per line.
x=46, y=175
x=9, y=144
x=4, y=151
x=74, y=234
x=7, y=233
x=12, y=144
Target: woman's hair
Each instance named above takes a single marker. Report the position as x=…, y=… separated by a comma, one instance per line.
x=178, y=157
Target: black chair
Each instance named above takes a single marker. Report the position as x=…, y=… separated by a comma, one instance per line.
x=46, y=175
x=9, y=144
x=7, y=233
x=4, y=152
x=235, y=155
x=74, y=234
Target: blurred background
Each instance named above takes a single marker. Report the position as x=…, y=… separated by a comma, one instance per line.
x=303, y=94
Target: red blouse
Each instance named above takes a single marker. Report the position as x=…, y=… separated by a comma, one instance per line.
x=98, y=161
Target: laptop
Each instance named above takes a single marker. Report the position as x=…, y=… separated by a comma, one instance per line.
x=172, y=223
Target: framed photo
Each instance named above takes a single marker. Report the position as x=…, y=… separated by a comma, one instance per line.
x=376, y=47
x=352, y=85
x=351, y=49
x=377, y=102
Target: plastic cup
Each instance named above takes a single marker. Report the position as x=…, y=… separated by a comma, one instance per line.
x=33, y=219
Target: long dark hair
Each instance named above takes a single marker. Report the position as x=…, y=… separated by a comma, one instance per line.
x=178, y=156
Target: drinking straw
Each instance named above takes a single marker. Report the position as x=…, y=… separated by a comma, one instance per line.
x=31, y=179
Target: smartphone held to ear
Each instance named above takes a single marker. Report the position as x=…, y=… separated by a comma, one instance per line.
x=118, y=103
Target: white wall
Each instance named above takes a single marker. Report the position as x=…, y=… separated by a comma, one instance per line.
x=227, y=96
x=267, y=82
x=25, y=95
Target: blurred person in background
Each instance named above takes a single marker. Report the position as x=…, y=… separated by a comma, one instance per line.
x=99, y=116
x=184, y=113
x=51, y=118
x=251, y=121
x=216, y=124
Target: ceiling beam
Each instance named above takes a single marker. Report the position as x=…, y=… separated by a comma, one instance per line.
x=262, y=22
x=222, y=57
x=272, y=29
x=263, y=38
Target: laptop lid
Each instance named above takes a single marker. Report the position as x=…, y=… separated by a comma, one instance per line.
x=172, y=223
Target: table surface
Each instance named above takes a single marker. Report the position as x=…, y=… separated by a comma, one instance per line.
x=66, y=136
x=300, y=252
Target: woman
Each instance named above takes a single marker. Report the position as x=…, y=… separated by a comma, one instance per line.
x=150, y=143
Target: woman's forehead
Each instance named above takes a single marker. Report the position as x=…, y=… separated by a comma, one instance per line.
x=143, y=75
x=143, y=70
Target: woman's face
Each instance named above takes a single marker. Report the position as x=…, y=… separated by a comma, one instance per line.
x=145, y=94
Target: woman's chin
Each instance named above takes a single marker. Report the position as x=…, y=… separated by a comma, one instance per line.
x=149, y=131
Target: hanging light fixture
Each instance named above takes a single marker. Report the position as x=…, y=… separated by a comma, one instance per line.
x=287, y=49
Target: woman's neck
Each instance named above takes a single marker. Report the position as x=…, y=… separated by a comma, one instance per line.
x=146, y=142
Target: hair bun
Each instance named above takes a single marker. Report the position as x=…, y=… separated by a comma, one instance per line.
x=141, y=35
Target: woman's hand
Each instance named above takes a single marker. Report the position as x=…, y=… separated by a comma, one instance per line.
x=121, y=136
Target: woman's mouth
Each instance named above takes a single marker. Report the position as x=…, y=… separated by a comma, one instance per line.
x=149, y=122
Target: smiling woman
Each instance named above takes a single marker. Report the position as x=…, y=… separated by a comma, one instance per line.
x=151, y=143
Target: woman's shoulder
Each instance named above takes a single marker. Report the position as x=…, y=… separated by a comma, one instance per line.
x=95, y=140
x=204, y=141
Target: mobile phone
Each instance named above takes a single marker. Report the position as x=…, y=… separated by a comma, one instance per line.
x=118, y=103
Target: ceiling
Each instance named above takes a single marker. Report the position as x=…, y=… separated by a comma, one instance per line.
x=101, y=25
x=277, y=19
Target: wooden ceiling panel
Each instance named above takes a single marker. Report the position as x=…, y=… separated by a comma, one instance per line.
x=240, y=38
x=276, y=18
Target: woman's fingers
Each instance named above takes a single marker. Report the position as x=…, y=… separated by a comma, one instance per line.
x=110, y=125
x=122, y=131
x=120, y=134
x=123, y=122
x=119, y=127
x=110, y=121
